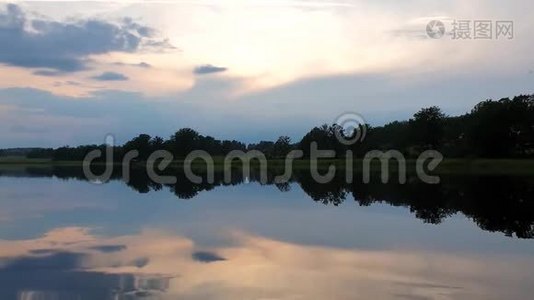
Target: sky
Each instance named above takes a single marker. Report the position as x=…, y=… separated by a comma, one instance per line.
x=72, y=72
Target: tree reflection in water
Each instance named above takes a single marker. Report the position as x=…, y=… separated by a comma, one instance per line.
x=495, y=203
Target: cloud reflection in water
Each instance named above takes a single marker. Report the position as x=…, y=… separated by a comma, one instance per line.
x=69, y=263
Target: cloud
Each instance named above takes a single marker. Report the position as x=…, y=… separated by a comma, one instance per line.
x=143, y=65
x=208, y=69
x=109, y=248
x=207, y=257
x=140, y=65
x=65, y=46
x=110, y=76
x=247, y=117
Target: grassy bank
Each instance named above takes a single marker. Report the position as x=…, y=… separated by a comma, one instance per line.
x=447, y=166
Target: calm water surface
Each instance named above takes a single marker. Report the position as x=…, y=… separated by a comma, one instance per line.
x=62, y=237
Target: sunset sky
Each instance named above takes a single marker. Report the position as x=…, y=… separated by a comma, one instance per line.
x=72, y=72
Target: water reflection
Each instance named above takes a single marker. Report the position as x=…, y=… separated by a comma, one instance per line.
x=495, y=203
x=73, y=263
x=63, y=265
x=63, y=238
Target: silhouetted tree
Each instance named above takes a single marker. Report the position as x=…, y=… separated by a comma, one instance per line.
x=427, y=127
x=282, y=146
x=184, y=141
x=141, y=143
x=502, y=128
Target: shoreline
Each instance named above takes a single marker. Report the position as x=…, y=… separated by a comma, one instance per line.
x=447, y=166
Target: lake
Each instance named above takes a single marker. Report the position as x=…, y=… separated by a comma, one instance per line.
x=63, y=237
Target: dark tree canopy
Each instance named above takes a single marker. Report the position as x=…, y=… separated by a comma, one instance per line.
x=427, y=127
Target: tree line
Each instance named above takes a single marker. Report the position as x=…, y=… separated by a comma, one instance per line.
x=492, y=129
